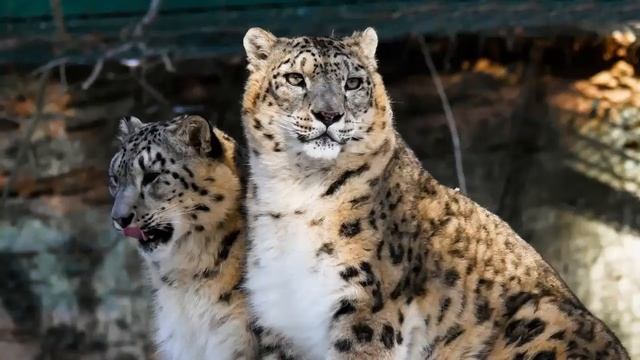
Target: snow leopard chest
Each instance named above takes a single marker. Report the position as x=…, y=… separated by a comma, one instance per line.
x=192, y=327
x=293, y=288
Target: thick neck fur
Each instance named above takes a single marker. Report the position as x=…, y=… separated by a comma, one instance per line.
x=200, y=308
x=194, y=259
x=210, y=251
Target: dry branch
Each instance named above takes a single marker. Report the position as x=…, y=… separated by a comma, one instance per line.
x=149, y=17
x=451, y=122
x=135, y=41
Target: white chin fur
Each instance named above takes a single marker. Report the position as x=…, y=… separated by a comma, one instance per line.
x=322, y=148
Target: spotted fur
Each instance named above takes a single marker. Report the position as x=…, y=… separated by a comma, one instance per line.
x=177, y=181
x=369, y=257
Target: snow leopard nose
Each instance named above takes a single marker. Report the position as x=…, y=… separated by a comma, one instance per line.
x=327, y=117
x=125, y=221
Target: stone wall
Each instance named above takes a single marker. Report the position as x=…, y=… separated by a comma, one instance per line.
x=70, y=288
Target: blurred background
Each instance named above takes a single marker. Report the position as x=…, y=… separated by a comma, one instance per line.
x=545, y=96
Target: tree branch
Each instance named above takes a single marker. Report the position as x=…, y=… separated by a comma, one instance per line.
x=451, y=122
x=149, y=17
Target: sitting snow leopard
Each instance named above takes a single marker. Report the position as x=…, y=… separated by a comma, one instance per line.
x=177, y=193
x=356, y=252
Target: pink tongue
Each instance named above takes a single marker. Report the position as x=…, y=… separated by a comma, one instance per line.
x=134, y=232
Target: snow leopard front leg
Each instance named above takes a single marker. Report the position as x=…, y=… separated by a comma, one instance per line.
x=364, y=326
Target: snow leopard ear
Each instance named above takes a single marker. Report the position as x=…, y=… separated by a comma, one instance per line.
x=128, y=125
x=366, y=43
x=369, y=43
x=258, y=44
x=196, y=133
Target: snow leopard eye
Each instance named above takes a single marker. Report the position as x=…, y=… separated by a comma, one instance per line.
x=295, y=79
x=113, y=184
x=353, y=83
